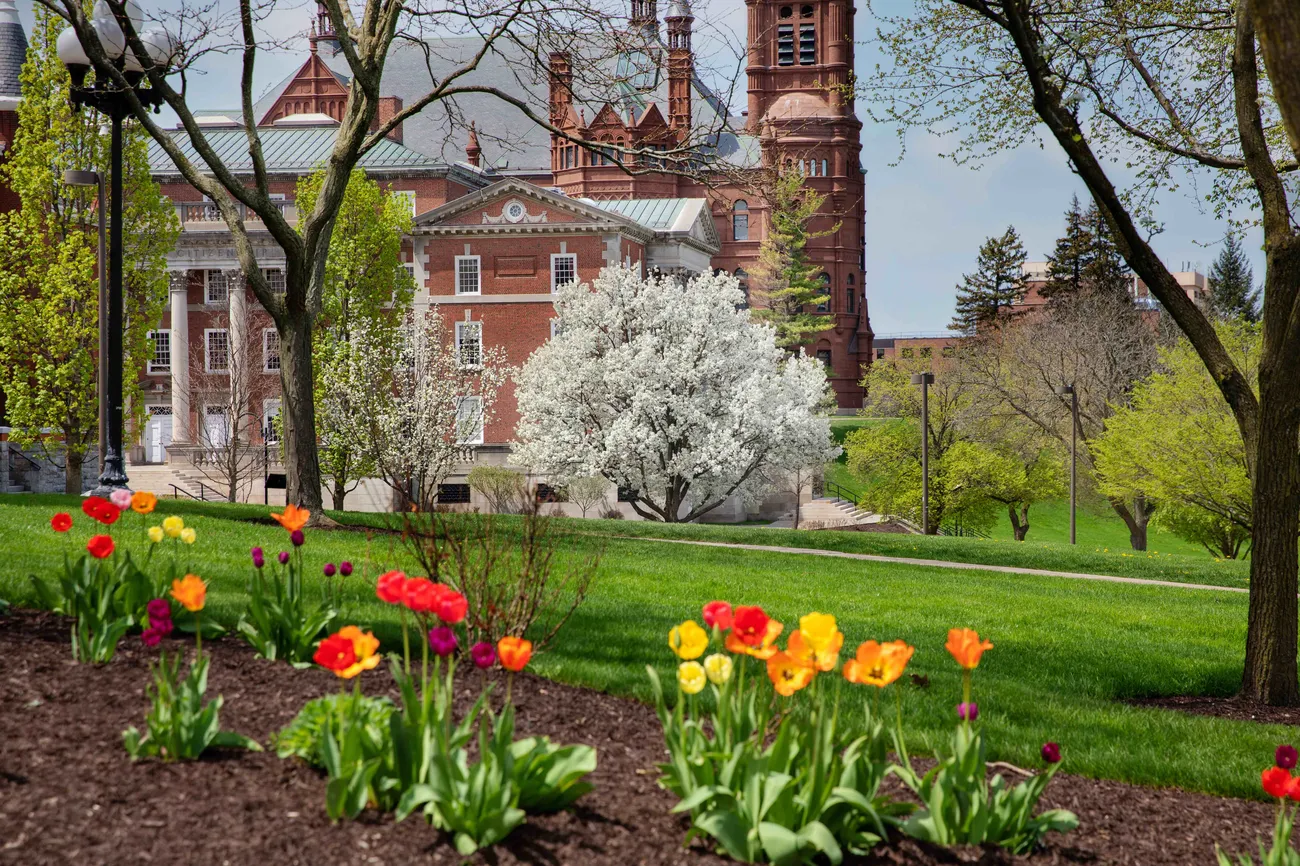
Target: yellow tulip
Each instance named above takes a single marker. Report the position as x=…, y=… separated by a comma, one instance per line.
x=688, y=640
x=155, y=534
x=691, y=677
x=718, y=667
x=188, y=535
x=173, y=525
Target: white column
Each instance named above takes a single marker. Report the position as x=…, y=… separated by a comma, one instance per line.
x=180, y=359
x=241, y=351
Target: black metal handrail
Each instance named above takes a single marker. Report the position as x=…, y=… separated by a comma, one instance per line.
x=202, y=497
x=839, y=491
x=14, y=452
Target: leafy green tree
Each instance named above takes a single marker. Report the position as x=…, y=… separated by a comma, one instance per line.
x=366, y=290
x=1085, y=257
x=1232, y=295
x=1012, y=465
x=787, y=285
x=1177, y=443
x=49, y=288
x=997, y=284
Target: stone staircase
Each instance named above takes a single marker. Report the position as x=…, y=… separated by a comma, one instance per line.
x=827, y=512
x=156, y=478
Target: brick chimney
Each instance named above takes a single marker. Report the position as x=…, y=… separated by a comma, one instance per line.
x=388, y=107
x=473, y=153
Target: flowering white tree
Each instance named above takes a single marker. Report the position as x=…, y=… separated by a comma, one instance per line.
x=668, y=389
x=424, y=403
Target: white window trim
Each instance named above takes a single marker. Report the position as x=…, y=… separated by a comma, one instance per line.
x=555, y=257
x=460, y=327
x=159, y=368
x=207, y=349
x=266, y=356
x=478, y=264
x=478, y=438
x=207, y=288
x=266, y=275
x=267, y=403
x=556, y=328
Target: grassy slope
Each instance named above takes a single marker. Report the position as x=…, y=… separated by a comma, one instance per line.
x=1065, y=650
x=1097, y=527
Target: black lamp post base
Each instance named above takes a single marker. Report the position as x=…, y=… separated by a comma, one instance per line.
x=112, y=478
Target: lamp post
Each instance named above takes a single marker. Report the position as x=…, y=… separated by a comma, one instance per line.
x=925, y=380
x=1068, y=391
x=105, y=96
x=74, y=177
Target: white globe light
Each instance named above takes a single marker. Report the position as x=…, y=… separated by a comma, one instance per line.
x=69, y=49
x=134, y=13
x=161, y=45
x=110, y=36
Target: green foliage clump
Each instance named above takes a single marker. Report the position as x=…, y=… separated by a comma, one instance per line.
x=304, y=737
x=180, y=726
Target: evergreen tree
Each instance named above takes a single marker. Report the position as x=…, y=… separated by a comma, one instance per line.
x=998, y=283
x=1085, y=257
x=367, y=290
x=1232, y=295
x=49, y=308
x=787, y=285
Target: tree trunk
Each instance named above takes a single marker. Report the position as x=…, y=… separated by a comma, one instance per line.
x=1019, y=522
x=298, y=410
x=1271, y=631
x=340, y=493
x=72, y=463
x=1135, y=519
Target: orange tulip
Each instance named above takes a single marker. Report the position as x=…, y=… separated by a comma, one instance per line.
x=765, y=649
x=365, y=648
x=191, y=592
x=514, y=652
x=789, y=674
x=966, y=647
x=143, y=503
x=878, y=664
x=293, y=518
x=817, y=641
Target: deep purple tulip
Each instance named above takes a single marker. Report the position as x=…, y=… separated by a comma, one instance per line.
x=968, y=712
x=259, y=559
x=345, y=568
x=297, y=537
x=152, y=637
x=159, y=608
x=1285, y=756
x=483, y=654
x=329, y=569
x=1051, y=753
x=284, y=557
x=442, y=640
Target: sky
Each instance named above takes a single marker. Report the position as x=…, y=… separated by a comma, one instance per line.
x=926, y=216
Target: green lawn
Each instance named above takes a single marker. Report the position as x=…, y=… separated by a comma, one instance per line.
x=1066, y=654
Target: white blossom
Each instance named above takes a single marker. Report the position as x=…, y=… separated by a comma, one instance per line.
x=670, y=390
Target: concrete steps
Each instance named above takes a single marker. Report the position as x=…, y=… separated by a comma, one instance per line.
x=823, y=513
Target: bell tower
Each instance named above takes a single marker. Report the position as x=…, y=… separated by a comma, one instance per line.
x=800, y=67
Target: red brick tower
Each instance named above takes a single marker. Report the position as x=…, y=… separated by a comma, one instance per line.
x=681, y=66
x=800, y=67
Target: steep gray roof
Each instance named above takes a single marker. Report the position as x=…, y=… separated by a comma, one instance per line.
x=511, y=142
x=13, y=49
x=291, y=150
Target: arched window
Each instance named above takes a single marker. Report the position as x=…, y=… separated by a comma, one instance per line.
x=850, y=290
x=743, y=279
x=825, y=168
x=825, y=306
x=740, y=221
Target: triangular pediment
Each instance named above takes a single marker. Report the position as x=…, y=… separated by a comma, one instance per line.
x=607, y=118
x=651, y=118
x=313, y=89
x=519, y=204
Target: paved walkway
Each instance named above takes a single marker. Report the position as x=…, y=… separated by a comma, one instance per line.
x=938, y=563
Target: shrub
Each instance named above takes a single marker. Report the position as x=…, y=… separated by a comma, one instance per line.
x=506, y=570
x=304, y=737
x=503, y=488
x=587, y=491
x=612, y=514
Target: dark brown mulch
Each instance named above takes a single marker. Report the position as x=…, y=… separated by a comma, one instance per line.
x=1234, y=708
x=68, y=793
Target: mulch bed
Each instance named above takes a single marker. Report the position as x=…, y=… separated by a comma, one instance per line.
x=68, y=793
x=1234, y=708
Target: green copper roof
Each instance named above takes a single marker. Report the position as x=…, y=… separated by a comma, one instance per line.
x=286, y=150
x=657, y=214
